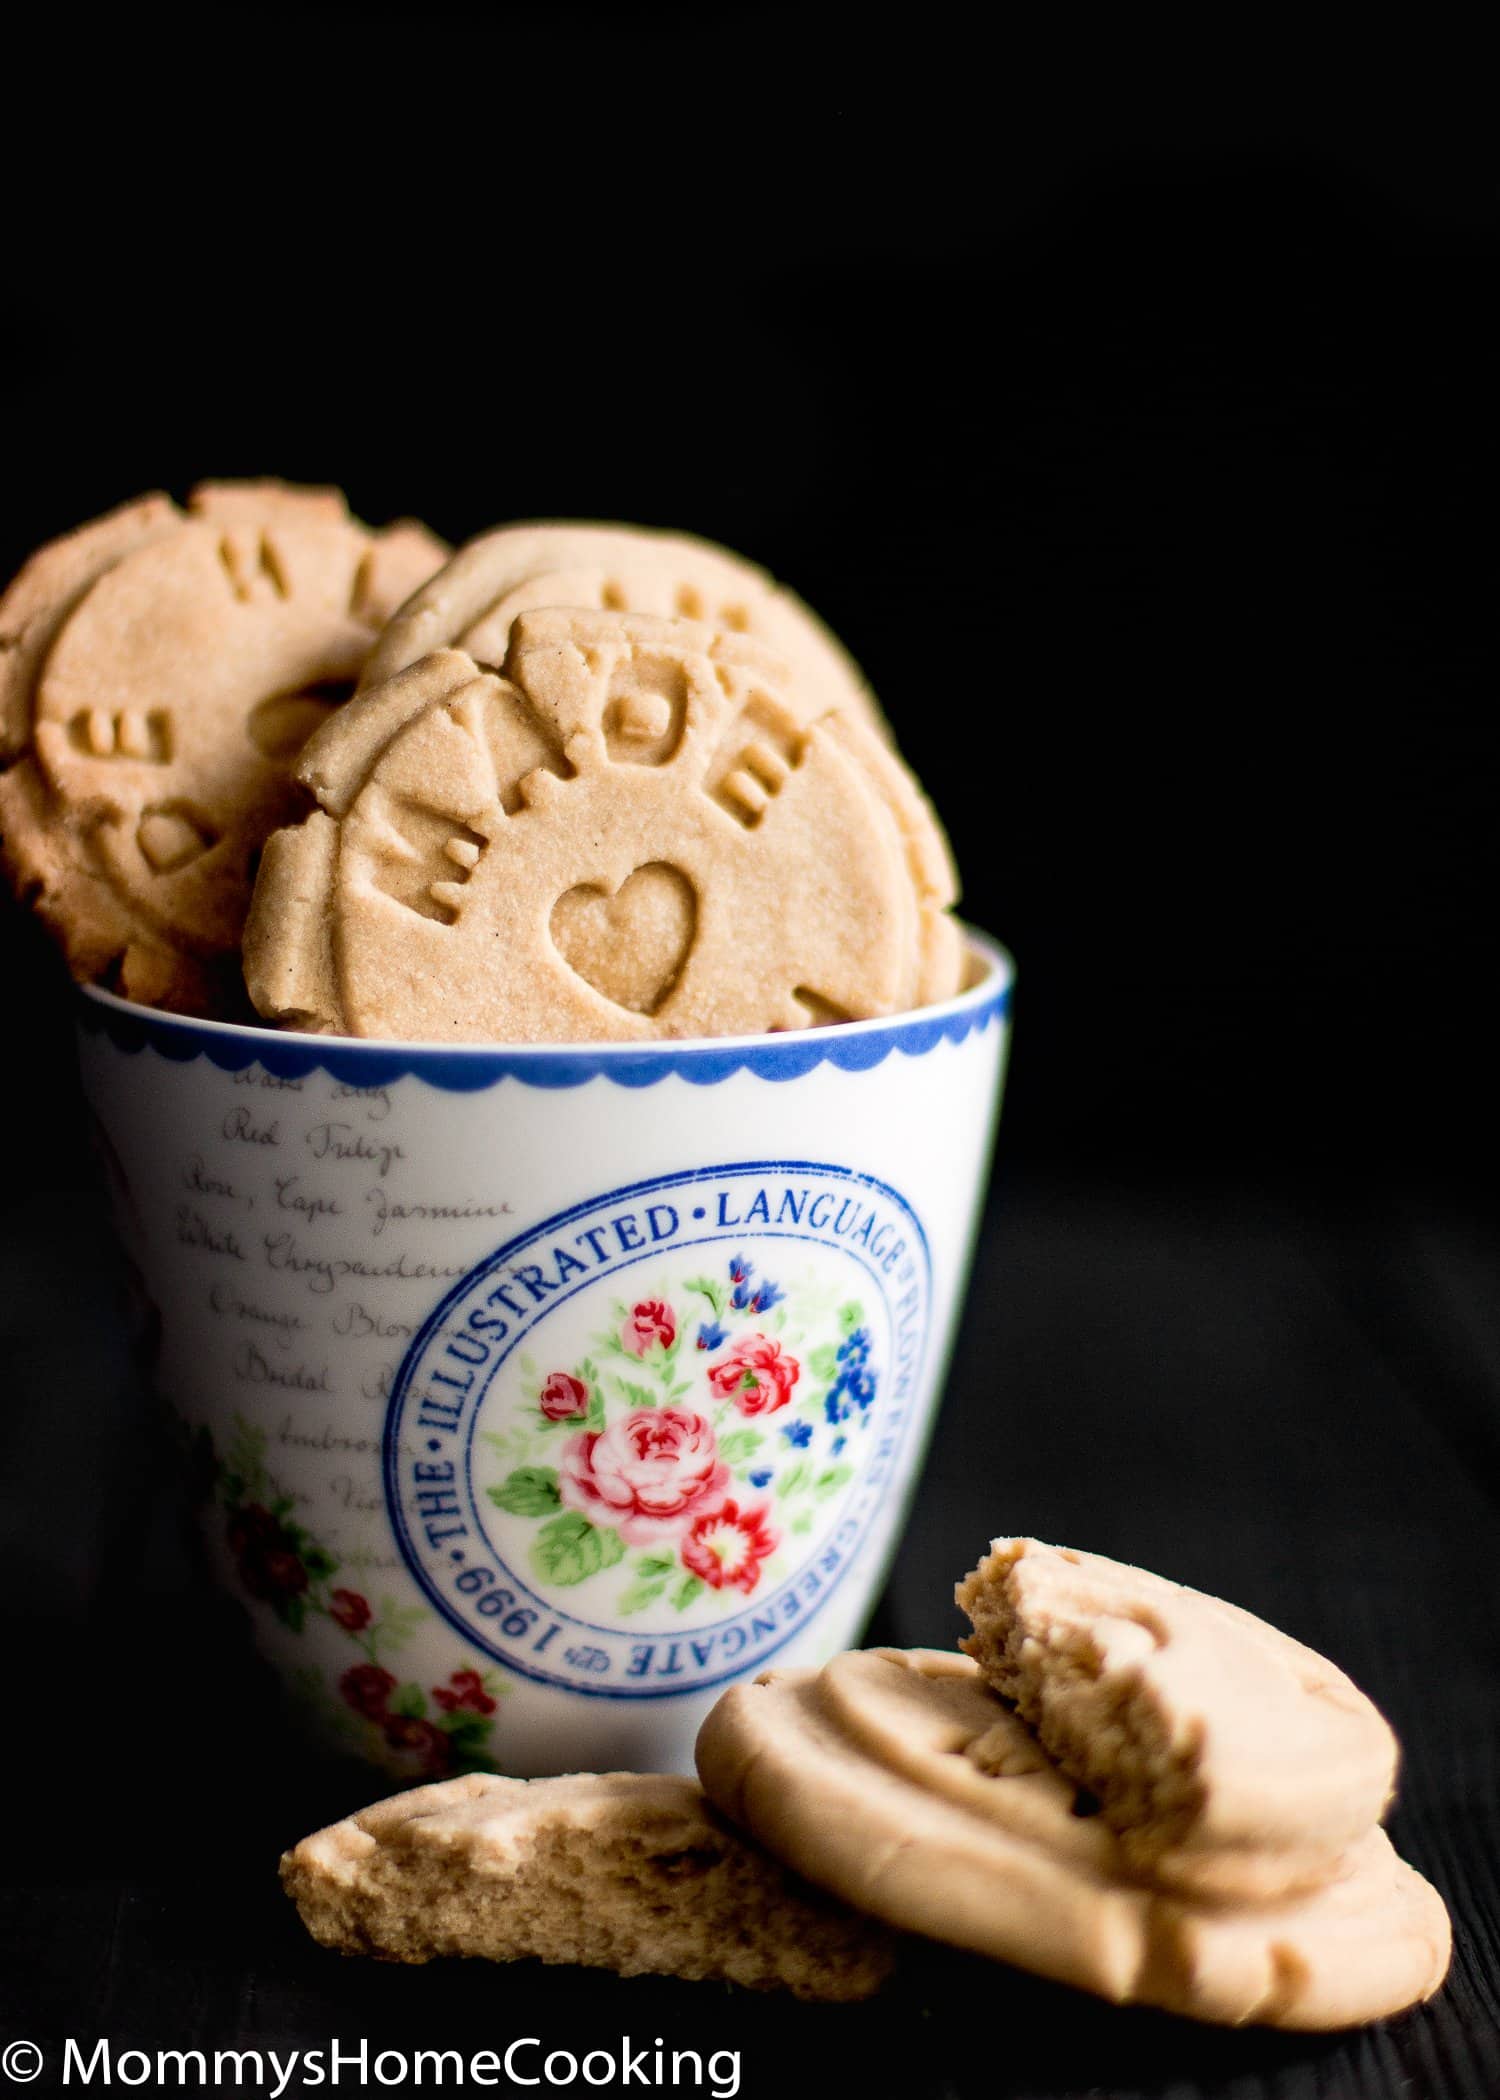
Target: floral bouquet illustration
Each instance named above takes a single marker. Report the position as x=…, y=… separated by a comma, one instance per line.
x=703, y=1430
x=435, y=1730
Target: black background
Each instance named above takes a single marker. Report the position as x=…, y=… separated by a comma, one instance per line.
x=1130, y=409
x=1130, y=412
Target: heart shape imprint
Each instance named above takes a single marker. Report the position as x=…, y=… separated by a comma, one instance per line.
x=630, y=946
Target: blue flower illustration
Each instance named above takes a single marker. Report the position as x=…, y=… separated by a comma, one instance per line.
x=798, y=1433
x=761, y=1477
x=854, y=1386
x=838, y=1445
x=767, y=1294
x=711, y=1335
x=739, y=1297
x=740, y=1270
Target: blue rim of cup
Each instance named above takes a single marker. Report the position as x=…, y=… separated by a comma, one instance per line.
x=463, y=1068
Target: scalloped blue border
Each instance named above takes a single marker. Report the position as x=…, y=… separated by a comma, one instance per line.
x=471, y=1068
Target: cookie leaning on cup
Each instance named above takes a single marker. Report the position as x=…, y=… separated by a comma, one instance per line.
x=901, y=1783
x=632, y=832
x=159, y=670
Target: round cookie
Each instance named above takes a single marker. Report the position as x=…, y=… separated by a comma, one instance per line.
x=630, y=834
x=472, y=603
x=870, y=1779
x=1232, y=1760
x=159, y=671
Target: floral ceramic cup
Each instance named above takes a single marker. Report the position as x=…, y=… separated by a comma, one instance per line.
x=545, y=1391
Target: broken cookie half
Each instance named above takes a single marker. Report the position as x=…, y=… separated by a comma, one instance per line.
x=634, y=1872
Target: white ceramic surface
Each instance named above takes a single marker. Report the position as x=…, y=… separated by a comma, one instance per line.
x=544, y=1391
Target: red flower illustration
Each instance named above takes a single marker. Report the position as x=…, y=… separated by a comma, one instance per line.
x=273, y=1575
x=649, y=1474
x=270, y=1566
x=563, y=1396
x=756, y=1375
x=251, y=1526
x=467, y=1691
x=651, y=1321
x=727, y=1547
x=407, y=1732
x=349, y=1610
x=367, y=1688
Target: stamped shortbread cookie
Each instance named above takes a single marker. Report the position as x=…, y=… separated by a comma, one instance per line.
x=1232, y=1760
x=472, y=603
x=159, y=671
x=618, y=1870
x=898, y=1781
x=630, y=833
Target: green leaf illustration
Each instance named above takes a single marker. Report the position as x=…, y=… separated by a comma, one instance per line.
x=465, y=1731
x=831, y=1480
x=715, y=1293
x=823, y=1361
x=396, y=1623
x=292, y=1611
x=409, y=1700
x=651, y=1564
x=319, y=1565
x=528, y=1492
x=570, y=1549
x=678, y=1390
x=637, y=1395
x=507, y=1443
x=640, y=1594
x=802, y=1523
x=246, y=1459
x=794, y=1480
x=851, y=1316
x=528, y=1365
x=739, y=1445
x=686, y=1591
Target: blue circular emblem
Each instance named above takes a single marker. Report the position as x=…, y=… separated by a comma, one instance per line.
x=636, y=1450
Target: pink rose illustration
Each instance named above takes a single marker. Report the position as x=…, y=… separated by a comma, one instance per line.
x=726, y=1547
x=650, y=1321
x=756, y=1375
x=650, y=1474
x=563, y=1396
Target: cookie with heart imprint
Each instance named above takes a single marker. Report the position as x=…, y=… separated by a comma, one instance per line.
x=630, y=833
x=159, y=671
x=898, y=1781
x=472, y=603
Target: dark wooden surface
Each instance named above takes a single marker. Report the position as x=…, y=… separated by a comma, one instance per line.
x=1288, y=1396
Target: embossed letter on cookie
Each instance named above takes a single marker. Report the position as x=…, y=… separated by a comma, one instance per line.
x=628, y=834
x=159, y=671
